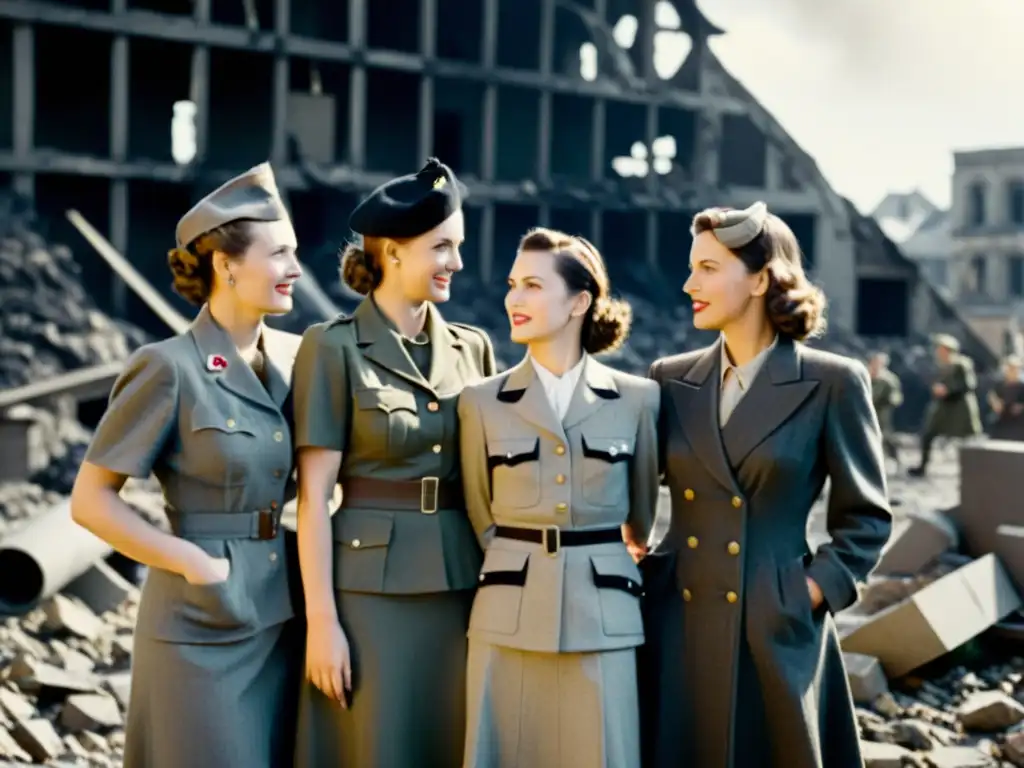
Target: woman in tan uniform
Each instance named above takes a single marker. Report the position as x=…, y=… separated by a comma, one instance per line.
x=214, y=672
x=389, y=580
x=560, y=466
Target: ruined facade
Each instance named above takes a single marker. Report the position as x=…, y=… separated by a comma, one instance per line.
x=559, y=112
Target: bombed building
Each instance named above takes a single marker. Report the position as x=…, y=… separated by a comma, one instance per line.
x=608, y=118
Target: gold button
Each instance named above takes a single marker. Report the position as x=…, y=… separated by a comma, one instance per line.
x=687, y=595
x=734, y=548
x=560, y=449
x=436, y=449
x=561, y=507
x=432, y=407
x=688, y=494
x=737, y=502
x=278, y=436
x=273, y=557
x=560, y=479
x=732, y=597
x=692, y=542
x=356, y=543
x=231, y=423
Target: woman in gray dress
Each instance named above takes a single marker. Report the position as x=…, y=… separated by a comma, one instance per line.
x=389, y=579
x=214, y=670
x=560, y=467
x=742, y=667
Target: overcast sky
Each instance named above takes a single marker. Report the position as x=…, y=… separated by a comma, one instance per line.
x=881, y=92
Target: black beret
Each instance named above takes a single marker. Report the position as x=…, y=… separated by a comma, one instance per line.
x=410, y=205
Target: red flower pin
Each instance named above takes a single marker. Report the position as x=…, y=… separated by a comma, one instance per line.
x=216, y=363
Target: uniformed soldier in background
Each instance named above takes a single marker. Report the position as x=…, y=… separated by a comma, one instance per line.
x=1007, y=402
x=953, y=411
x=216, y=662
x=389, y=581
x=887, y=396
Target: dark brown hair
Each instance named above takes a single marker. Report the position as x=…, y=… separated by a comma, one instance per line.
x=795, y=306
x=361, y=268
x=579, y=264
x=192, y=266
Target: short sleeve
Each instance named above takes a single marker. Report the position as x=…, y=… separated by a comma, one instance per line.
x=320, y=392
x=140, y=416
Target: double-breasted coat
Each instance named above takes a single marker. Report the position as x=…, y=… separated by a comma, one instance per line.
x=405, y=556
x=955, y=414
x=215, y=667
x=552, y=668
x=738, y=670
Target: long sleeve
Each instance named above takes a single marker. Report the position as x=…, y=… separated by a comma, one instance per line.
x=476, y=479
x=859, y=517
x=644, y=469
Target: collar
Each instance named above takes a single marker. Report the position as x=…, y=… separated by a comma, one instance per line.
x=569, y=379
x=745, y=373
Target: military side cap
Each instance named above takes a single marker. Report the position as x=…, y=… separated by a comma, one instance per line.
x=735, y=229
x=410, y=205
x=252, y=196
x=947, y=341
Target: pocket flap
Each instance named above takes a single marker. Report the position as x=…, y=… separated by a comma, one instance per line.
x=361, y=530
x=513, y=450
x=505, y=560
x=608, y=448
x=386, y=399
x=205, y=417
x=619, y=565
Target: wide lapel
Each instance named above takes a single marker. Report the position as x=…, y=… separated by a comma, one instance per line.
x=777, y=392
x=695, y=397
x=220, y=357
x=381, y=345
x=595, y=387
x=445, y=354
x=523, y=391
x=279, y=350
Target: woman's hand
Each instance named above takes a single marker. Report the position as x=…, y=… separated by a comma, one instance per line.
x=817, y=597
x=205, y=570
x=328, y=661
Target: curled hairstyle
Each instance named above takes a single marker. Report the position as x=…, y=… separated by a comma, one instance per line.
x=361, y=264
x=192, y=266
x=607, y=321
x=795, y=306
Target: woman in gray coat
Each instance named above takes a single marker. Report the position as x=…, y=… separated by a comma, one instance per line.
x=742, y=666
x=216, y=659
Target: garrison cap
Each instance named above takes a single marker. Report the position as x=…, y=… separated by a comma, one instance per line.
x=252, y=196
x=947, y=341
x=735, y=229
x=410, y=205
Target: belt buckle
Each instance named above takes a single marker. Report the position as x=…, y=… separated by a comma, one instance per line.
x=429, y=489
x=551, y=544
x=267, y=525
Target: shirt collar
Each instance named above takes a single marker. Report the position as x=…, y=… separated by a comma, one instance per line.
x=568, y=379
x=745, y=373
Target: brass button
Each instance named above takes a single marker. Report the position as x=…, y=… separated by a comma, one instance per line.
x=273, y=557
x=273, y=505
x=278, y=436
x=688, y=494
x=356, y=543
x=433, y=407
x=231, y=423
x=732, y=597
x=737, y=502
x=560, y=449
x=734, y=548
x=560, y=479
x=278, y=473
x=436, y=449
x=692, y=542
x=687, y=595
x=561, y=507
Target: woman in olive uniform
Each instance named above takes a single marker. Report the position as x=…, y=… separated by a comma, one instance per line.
x=389, y=580
x=560, y=467
x=742, y=667
x=214, y=673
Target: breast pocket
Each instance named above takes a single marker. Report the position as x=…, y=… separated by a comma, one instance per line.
x=224, y=443
x=387, y=416
x=514, y=464
x=606, y=469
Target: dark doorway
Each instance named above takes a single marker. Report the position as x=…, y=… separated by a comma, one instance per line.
x=883, y=307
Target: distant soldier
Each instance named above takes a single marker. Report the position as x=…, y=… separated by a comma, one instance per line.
x=1007, y=402
x=887, y=396
x=953, y=411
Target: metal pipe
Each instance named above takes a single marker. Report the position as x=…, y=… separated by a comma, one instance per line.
x=42, y=557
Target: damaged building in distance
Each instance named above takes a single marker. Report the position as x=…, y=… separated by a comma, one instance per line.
x=608, y=118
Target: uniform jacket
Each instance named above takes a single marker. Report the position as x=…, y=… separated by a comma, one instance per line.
x=887, y=396
x=356, y=390
x=956, y=414
x=190, y=410
x=598, y=468
x=738, y=670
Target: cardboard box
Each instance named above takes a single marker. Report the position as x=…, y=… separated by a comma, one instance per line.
x=990, y=475
x=938, y=619
x=917, y=539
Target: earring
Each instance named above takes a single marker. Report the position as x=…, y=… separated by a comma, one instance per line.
x=396, y=261
x=231, y=280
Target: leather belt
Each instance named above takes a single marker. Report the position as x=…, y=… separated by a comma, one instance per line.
x=426, y=495
x=262, y=524
x=554, y=538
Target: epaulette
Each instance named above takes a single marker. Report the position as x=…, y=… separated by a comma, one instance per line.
x=473, y=330
x=340, y=319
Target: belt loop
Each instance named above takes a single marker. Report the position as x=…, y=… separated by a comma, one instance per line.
x=552, y=544
x=429, y=489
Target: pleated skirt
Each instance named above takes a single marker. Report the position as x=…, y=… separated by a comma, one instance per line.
x=231, y=705
x=551, y=710
x=407, y=706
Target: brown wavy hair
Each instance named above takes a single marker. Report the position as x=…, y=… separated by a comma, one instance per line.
x=361, y=265
x=795, y=306
x=606, y=324
x=192, y=266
